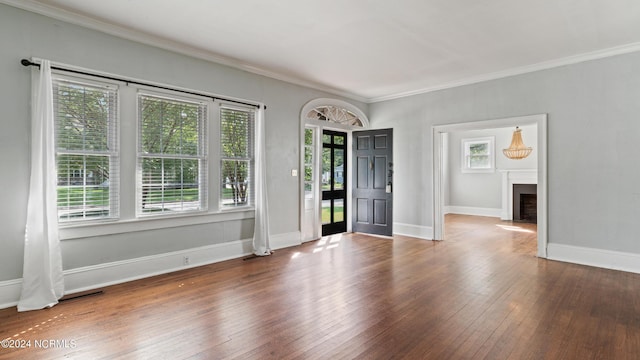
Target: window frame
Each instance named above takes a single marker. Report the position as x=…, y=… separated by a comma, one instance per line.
x=250, y=197
x=202, y=155
x=465, y=157
x=127, y=137
x=113, y=145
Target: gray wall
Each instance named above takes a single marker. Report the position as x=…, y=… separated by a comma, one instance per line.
x=593, y=129
x=593, y=133
x=484, y=190
x=24, y=34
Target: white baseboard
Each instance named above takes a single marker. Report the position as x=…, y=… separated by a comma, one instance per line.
x=607, y=259
x=97, y=276
x=10, y=293
x=285, y=240
x=417, y=231
x=101, y=275
x=475, y=211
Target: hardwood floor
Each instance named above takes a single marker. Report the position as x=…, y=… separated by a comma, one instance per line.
x=481, y=294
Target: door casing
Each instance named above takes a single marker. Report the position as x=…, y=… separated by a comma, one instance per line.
x=319, y=126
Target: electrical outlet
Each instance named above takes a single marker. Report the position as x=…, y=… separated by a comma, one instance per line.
x=185, y=260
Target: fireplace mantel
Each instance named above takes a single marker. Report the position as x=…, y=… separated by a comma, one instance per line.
x=510, y=177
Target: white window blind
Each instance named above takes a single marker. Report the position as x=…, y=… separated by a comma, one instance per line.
x=237, y=156
x=86, y=149
x=172, y=162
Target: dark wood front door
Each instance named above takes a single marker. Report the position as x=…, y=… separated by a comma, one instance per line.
x=334, y=182
x=373, y=182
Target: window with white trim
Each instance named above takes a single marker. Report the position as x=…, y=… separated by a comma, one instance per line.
x=167, y=161
x=334, y=114
x=237, y=156
x=478, y=155
x=172, y=159
x=86, y=149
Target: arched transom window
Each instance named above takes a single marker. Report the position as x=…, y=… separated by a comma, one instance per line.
x=334, y=114
x=334, y=111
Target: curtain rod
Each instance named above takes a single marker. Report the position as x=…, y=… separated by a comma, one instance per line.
x=26, y=62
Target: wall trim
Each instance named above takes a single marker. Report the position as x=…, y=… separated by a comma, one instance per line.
x=83, y=230
x=575, y=59
x=10, y=293
x=475, y=211
x=167, y=44
x=285, y=240
x=416, y=231
x=117, y=272
x=607, y=259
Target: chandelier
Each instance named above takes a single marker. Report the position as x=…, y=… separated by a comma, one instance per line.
x=517, y=150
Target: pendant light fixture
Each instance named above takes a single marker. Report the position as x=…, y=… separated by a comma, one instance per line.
x=517, y=150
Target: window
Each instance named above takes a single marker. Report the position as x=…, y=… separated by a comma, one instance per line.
x=309, y=152
x=172, y=159
x=86, y=149
x=236, y=164
x=167, y=165
x=334, y=114
x=478, y=155
x=337, y=113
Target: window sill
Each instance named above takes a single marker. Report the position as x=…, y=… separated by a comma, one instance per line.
x=478, y=171
x=83, y=230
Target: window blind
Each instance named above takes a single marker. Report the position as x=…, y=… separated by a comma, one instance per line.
x=86, y=149
x=172, y=155
x=237, y=156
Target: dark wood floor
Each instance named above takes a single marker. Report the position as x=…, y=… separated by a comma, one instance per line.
x=481, y=294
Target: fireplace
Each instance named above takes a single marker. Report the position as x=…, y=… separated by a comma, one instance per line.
x=509, y=179
x=525, y=203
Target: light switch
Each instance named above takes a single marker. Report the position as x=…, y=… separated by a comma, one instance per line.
x=294, y=172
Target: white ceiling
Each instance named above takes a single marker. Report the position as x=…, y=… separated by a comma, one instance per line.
x=371, y=49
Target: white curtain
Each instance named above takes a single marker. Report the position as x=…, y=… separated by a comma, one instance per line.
x=261, y=228
x=42, y=278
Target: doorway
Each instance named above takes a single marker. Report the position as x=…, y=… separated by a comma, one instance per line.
x=438, y=133
x=325, y=153
x=334, y=182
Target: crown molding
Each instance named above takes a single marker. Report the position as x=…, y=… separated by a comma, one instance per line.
x=594, y=55
x=171, y=45
x=167, y=44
